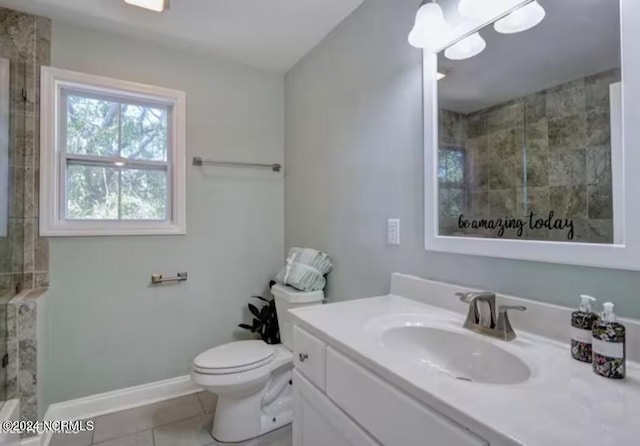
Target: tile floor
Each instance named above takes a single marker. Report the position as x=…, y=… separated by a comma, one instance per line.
x=184, y=421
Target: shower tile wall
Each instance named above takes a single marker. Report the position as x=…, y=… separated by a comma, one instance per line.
x=26, y=41
x=24, y=256
x=11, y=252
x=547, y=151
x=22, y=345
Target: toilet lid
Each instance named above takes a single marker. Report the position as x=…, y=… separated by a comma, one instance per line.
x=236, y=355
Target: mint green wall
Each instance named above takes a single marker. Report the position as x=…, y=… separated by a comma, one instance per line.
x=353, y=147
x=353, y=159
x=105, y=328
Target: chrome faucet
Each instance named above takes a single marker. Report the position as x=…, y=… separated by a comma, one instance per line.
x=501, y=329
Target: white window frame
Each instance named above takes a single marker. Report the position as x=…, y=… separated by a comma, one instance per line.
x=53, y=223
x=624, y=253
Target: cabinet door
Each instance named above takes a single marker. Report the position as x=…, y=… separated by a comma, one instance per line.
x=308, y=356
x=318, y=422
x=390, y=415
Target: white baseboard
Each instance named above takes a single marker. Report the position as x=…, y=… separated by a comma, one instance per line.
x=115, y=401
x=31, y=441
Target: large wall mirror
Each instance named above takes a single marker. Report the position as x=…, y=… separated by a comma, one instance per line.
x=525, y=133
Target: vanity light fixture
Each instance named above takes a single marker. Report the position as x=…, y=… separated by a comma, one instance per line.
x=152, y=5
x=521, y=19
x=430, y=27
x=466, y=48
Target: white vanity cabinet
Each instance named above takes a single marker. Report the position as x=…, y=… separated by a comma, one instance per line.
x=340, y=403
x=319, y=422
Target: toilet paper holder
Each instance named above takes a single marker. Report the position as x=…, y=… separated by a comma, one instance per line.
x=157, y=279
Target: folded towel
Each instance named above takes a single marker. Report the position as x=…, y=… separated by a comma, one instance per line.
x=305, y=269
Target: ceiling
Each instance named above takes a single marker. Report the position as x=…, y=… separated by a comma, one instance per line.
x=577, y=38
x=268, y=34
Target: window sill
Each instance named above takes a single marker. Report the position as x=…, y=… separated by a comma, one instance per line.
x=94, y=229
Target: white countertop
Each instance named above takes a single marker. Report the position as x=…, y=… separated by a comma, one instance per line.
x=563, y=403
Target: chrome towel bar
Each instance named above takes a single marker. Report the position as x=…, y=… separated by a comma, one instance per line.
x=198, y=161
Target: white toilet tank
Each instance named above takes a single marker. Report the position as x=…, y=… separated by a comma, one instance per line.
x=288, y=298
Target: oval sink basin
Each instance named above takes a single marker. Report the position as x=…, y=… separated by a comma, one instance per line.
x=460, y=356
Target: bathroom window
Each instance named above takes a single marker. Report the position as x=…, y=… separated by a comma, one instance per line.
x=451, y=185
x=113, y=157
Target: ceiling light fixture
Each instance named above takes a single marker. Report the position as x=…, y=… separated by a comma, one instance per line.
x=430, y=28
x=466, y=48
x=521, y=19
x=152, y=5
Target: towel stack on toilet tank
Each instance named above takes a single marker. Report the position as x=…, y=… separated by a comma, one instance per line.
x=305, y=269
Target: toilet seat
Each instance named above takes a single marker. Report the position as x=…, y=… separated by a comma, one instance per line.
x=248, y=379
x=235, y=357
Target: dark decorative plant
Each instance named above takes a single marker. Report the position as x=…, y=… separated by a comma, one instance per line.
x=265, y=320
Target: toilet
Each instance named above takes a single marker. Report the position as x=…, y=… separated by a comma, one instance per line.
x=251, y=378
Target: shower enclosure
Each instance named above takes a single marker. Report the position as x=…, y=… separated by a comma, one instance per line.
x=12, y=171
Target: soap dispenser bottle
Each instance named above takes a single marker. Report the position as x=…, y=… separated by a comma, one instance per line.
x=582, y=323
x=609, y=345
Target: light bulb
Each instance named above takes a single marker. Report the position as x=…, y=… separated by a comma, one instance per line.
x=466, y=48
x=521, y=19
x=484, y=9
x=430, y=28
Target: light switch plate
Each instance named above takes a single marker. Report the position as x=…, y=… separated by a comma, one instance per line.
x=393, y=231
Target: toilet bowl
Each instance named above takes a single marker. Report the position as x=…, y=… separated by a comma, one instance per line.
x=251, y=378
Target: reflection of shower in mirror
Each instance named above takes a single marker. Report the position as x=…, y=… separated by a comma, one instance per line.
x=5, y=92
x=535, y=144
x=528, y=137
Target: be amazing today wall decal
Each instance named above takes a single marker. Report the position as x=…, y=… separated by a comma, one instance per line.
x=519, y=224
